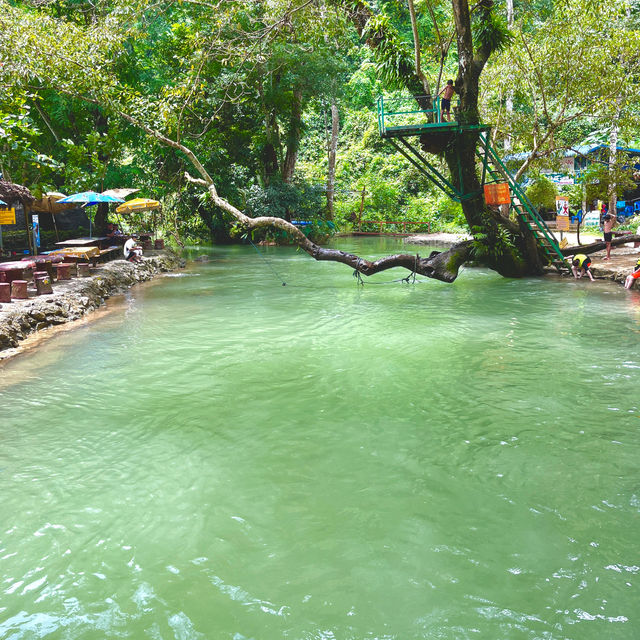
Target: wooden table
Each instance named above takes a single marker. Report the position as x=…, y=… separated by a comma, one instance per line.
x=82, y=242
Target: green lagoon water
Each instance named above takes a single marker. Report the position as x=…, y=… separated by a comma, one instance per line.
x=223, y=457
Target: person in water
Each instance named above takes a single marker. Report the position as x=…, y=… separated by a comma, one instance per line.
x=632, y=277
x=580, y=265
x=447, y=93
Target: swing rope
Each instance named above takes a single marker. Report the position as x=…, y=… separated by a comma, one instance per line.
x=410, y=279
x=284, y=284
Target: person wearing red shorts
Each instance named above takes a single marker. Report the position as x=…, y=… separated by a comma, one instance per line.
x=632, y=277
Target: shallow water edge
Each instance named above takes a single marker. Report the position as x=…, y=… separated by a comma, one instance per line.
x=22, y=320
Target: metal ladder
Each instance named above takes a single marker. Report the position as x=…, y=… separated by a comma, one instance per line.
x=520, y=203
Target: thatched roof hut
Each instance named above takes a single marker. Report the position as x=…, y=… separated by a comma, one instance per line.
x=10, y=192
x=49, y=203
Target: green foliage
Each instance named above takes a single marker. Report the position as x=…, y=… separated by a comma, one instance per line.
x=491, y=243
x=490, y=31
x=632, y=224
x=542, y=193
x=394, y=56
x=299, y=201
x=244, y=85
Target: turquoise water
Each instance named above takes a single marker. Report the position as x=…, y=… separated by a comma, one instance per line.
x=224, y=457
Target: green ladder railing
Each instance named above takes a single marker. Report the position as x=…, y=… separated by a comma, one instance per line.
x=520, y=203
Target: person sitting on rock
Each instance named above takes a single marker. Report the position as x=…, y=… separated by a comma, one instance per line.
x=132, y=251
x=632, y=277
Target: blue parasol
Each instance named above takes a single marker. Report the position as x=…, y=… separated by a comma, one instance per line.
x=89, y=198
x=3, y=202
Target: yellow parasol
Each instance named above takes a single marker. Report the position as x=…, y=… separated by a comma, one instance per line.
x=138, y=204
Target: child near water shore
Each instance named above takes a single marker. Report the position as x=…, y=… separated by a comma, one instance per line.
x=607, y=228
x=632, y=277
x=580, y=265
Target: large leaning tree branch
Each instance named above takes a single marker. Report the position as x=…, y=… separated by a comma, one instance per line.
x=440, y=266
x=600, y=245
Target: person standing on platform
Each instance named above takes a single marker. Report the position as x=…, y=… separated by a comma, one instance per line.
x=447, y=93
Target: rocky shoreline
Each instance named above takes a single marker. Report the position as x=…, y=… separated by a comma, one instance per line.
x=73, y=299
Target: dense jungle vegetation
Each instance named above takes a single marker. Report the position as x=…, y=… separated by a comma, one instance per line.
x=277, y=99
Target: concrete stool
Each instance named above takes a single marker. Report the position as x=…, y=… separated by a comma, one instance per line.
x=43, y=284
x=19, y=289
x=159, y=244
x=147, y=244
x=10, y=271
x=63, y=271
x=73, y=268
x=40, y=274
x=84, y=269
x=5, y=292
x=41, y=263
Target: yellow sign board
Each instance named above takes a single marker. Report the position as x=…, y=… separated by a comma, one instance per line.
x=7, y=216
x=562, y=223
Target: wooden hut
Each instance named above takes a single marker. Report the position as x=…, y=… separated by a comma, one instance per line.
x=15, y=193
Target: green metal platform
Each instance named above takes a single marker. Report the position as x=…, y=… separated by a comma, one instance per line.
x=400, y=125
x=404, y=121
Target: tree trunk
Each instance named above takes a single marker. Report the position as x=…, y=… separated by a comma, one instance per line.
x=100, y=218
x=416, y=50
x=272, y=148
x=612, y=192
x=331, y=162
x=600, y=245
x=509, y=101
x=293, y=137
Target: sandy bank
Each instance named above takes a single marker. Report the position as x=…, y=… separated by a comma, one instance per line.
x=437, y=239
x=73, y=299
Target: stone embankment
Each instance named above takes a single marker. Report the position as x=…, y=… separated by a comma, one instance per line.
x=73, y=299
